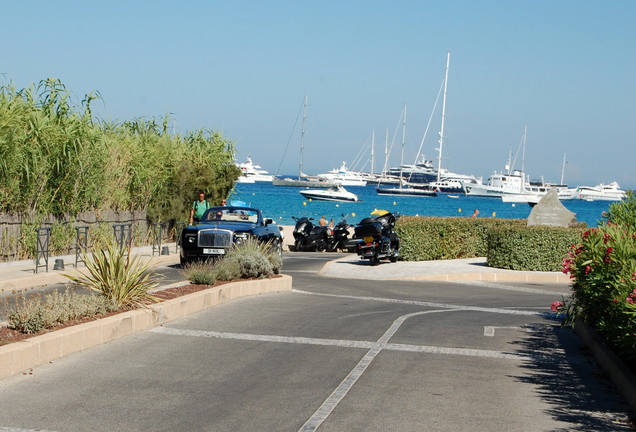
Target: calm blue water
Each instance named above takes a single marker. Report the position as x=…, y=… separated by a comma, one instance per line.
x=281, y=203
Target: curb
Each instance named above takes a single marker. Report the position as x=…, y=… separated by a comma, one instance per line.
x=20, y=356
x=622, y=377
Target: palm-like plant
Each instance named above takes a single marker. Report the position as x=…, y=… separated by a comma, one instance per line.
x=116, y=274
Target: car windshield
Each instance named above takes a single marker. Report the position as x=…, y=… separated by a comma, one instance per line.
x=231, y=214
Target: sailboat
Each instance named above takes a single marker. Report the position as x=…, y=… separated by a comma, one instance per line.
x=303, y=180
x=420, y=190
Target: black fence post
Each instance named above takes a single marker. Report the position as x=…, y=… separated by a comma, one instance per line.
x=123, y=234
x=81, y=243
x=157, y=228
x=42, y=247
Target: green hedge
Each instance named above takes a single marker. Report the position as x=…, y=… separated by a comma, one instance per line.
x=433, y=238
x=507, y=243
x=534, y=248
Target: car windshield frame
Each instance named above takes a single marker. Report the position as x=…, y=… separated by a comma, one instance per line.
x=232, y=214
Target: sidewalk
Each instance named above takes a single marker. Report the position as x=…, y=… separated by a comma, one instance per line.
x=18, y=276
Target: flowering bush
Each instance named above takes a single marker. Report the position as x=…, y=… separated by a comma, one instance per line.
x=603, y=269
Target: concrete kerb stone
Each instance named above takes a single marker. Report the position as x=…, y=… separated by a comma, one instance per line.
x=622, y=377
x=21, y=356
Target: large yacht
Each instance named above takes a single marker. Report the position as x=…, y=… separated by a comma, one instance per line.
x=251, y=172
x=344, y=176
x=601, y=192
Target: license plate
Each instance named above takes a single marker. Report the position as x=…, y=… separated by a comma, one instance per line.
x=368, y=239
x=214, y=251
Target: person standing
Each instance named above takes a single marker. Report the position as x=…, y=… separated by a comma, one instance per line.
x=198, y=208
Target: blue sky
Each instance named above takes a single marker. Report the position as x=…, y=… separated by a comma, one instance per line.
x=564, y=69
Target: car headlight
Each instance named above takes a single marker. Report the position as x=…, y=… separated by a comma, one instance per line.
x=239, y=238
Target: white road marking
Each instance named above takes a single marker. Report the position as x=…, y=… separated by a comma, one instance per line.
x=11, y=429
x=510, y=287
x=489, y=331
x=340, y=343
x=428, y=304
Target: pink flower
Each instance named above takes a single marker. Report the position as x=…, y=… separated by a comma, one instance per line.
x=556, y=306
x=588, y=269
x=630, y=300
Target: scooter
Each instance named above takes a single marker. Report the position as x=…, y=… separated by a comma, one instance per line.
x=308, y=236
x=339, y=236
x=379, y=241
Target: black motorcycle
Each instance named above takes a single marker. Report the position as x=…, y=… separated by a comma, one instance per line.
x=308, y=236
x=339, y=236
x=378, y=240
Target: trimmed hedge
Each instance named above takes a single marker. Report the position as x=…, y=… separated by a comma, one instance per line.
x=433, y=238
x=506, y=243
x=534, y=248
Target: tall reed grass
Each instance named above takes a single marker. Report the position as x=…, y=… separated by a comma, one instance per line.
x=57, y=158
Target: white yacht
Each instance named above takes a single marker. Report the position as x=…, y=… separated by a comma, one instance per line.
x=251, y=172
x=333, y=193
x=344, y=176
x=601, y=192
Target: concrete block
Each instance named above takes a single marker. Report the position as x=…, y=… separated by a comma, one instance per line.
x=50, y=346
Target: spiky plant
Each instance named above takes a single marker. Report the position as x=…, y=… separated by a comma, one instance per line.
x=119, y=276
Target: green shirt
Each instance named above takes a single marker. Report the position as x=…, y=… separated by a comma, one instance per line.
x=200, y=208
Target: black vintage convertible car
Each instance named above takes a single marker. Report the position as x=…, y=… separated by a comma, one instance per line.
x=221, y=227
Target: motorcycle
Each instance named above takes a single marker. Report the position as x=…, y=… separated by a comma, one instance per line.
x=339, y=236
x=308, y=236
x=379, y=241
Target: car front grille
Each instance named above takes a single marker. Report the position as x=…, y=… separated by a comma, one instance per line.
x=215, y=238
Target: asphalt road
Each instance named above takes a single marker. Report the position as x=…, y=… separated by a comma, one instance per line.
x=333, y=355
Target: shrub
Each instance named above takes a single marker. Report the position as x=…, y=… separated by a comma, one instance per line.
x=534, y=248
x=31, y=315
x=122, y=279
x=433, y=238
x=602, y=266
x=255, y=259
x=200, y=273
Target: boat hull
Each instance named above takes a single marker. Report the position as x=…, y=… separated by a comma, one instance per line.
x=318, y=196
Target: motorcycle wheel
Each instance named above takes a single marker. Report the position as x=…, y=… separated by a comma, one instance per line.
x=321, y=245
x=297, y=245
x=374, y=260
x=393, y=257
x=332, y=247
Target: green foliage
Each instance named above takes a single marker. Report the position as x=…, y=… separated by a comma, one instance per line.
x=124, y=280
x=55, y=158
x=433, y=238
x=603, y=268
x=250, y=259
x=534, y=248
x=255, y=259
x=623, y=212
x=31, y=315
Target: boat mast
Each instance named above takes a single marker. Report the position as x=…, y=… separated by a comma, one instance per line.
x=563, y=168
x=302, y=139
x=372, y=151
x=403, y=135
x=441, y=131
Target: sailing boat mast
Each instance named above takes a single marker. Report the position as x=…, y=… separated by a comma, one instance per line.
x=441, y=131
x=302, y=139
x=372, y=151
x=563, y=168
x=403, y=135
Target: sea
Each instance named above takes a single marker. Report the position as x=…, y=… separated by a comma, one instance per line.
x=281, y=203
